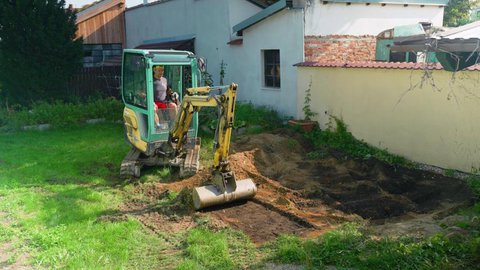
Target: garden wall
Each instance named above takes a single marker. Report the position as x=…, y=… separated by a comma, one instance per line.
x=431, y=118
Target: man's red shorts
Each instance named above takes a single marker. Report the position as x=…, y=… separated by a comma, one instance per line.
x=161, y=105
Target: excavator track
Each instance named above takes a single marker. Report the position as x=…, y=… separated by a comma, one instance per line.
x=130, y=165
x=191, y=163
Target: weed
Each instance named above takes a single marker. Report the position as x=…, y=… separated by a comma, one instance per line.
x=449, y=172
x=474, y=182
x=341, y=139
x=292, y=143
x=223, y=67
x=5, y=233
x=317, y=154
x=307, y=110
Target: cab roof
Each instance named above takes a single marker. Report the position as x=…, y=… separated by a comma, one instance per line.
x=165, y=56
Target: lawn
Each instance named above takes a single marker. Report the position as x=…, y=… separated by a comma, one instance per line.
x=54, y=186
x=57, y=186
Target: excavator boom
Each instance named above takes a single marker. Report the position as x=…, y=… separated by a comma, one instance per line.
x=225, y=187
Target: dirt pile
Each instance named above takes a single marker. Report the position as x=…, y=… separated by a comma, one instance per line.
x=307, y=197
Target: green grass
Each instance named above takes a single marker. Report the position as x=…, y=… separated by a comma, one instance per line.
x=61, y=114
x=90, y=154
x=226, y=249
x=55, y=185
x=349, y=247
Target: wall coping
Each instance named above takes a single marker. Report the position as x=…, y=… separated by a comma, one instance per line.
x=380, y=65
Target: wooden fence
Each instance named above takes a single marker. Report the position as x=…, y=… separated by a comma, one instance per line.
x=95, y=81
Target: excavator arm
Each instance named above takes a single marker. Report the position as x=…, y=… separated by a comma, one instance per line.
x=196, y=99
x=225, y=188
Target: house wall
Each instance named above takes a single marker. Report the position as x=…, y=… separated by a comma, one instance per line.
x=283, y=31
x=343, y=48
x=360, y=19
x=435, y=124
x=209, y=21
x=105, y=27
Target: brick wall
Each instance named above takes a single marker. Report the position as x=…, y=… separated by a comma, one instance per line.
x=343, y=48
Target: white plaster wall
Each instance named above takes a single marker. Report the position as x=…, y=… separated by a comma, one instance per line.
x=387, y=108
x=360, y=19
x=283, y=31
x=239, y=10
x=157, y=21
x=210, y=21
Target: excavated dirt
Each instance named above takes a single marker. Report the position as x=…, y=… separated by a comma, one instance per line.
x=307, y=197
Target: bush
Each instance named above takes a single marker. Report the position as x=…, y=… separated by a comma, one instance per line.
x=61, y=114
x=255, y=118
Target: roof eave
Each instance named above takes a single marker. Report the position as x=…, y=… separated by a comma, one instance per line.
x=394, y=2
x=258, y=3
x=260, y=16
x=97, y=9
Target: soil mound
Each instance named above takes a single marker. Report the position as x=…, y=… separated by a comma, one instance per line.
x=306, y=197
x=369, y=188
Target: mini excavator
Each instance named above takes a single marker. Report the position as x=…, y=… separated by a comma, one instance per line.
x=168, y=136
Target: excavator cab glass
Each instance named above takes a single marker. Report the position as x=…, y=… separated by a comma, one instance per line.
x=150, y=108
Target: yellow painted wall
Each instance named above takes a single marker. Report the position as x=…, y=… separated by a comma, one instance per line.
x=437, y=123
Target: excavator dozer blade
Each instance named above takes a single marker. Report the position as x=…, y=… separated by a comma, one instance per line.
x=210, y=195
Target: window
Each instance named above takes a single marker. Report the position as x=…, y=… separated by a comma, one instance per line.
x=134, y=80
x=94, y=55
x=403, y=57
x=271, y=68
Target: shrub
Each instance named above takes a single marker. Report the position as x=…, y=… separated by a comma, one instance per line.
x=62, y=114
x=256, y=119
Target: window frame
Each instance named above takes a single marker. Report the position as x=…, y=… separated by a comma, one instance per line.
x=129, y=92
x=270, y=61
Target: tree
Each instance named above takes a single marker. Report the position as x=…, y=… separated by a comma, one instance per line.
x=38, y=49
x=458, y=12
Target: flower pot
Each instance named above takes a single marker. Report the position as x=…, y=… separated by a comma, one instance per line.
x=305, y=125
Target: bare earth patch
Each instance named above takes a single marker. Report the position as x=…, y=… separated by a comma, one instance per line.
x=11, y=258
x=308, y=197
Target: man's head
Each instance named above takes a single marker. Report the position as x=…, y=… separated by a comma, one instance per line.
x=158, y=71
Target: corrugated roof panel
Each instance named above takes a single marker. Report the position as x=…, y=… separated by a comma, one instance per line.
x=408, y=30
x=471, y=30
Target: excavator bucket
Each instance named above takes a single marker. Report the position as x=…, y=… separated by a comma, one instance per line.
x=211, y=195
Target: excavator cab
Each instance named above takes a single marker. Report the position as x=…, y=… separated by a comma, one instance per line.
x=163, y=135
x=180, y=71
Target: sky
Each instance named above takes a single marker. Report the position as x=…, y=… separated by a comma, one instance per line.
x=80, y=3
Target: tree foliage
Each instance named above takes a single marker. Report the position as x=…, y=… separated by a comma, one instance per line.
x=38, y=49
x=457, y=12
